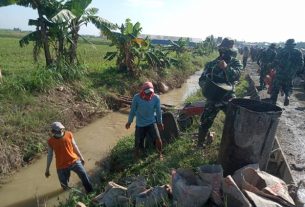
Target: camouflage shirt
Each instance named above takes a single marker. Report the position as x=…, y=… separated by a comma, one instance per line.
x=288, y=61
x=230, y=75
x=266, y=57
x=246, y=52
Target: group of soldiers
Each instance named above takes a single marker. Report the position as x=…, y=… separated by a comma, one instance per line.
x=282, y=65
x=226, y=69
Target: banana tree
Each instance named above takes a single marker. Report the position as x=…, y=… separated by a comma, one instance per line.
x=58, y=23
x=180, y=46
x=210, y=44
x=60, y=30
x=83, y=15
x=125, y=42
x=158, y=58
x=206, y=47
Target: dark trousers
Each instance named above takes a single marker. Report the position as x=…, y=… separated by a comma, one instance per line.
x=150, y=132
x=264, y=70
x=211, y=109
x=78, y=168
x=277, y=85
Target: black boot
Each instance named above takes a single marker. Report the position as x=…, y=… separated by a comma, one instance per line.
x=286, y=101
x=273, y=98
x=201, y=136
x=261, y=87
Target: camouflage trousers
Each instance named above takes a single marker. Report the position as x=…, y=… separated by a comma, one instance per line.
x=262, y=75
x=245, y=59
x=279, y=84
x=211, y=110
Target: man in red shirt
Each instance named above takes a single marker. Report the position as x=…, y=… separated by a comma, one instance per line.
x=68, y=157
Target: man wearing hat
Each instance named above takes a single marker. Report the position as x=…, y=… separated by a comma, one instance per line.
x=265, y=61
x=145, y=105
x=68, y=157
x=288, y=61
x=225, y=69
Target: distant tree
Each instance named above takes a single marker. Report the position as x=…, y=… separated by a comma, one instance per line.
x=210, y=44
x=206, y=47
x=218, y=40
x=180, y=46
x=17, y=29
x=158, y=58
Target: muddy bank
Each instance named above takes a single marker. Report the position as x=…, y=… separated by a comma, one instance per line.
x=29, y=185
x=21, y=146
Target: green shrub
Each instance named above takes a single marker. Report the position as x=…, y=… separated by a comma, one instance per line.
x=39, y=80
x=66, y=72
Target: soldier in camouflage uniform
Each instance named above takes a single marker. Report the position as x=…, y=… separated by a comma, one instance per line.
x=224, y=69
x=253, y=53
x=300, y=73
x=265, y=61
x=246, y=53
x=288, y=61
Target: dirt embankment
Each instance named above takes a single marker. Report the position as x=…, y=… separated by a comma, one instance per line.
x=70, y=109
x=19, y=146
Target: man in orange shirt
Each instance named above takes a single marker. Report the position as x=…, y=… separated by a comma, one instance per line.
x=68, y=157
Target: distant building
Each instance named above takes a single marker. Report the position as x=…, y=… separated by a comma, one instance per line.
x=165, y=40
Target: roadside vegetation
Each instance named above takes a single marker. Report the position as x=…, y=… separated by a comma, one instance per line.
x=182, y=153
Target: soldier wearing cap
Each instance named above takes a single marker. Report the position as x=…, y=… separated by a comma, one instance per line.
x=68, y=157
x=266, y=62
x=224, y=69
x=288, y=61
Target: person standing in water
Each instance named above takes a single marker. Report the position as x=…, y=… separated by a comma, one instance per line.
x=146, y=108
x=68, y=157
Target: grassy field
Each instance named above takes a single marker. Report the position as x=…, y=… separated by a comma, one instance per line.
x=16, y=59
x=12, y=33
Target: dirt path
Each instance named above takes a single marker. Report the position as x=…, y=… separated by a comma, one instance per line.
x=291, y=128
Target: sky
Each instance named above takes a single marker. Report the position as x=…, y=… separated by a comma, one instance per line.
x=243, y=20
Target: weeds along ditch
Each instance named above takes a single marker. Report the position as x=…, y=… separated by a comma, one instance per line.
x=32, y=96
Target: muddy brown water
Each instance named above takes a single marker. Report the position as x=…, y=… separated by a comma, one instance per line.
x=29, y=187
